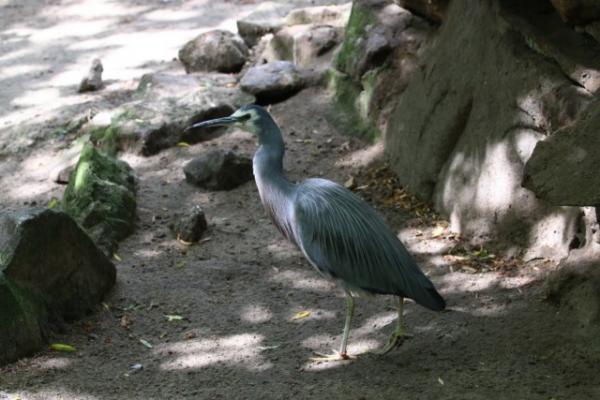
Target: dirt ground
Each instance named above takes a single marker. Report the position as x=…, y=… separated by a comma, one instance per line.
x=240, y=290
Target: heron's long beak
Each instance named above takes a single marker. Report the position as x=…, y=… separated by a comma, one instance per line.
x=214, y=122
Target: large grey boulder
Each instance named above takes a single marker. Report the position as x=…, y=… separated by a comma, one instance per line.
x=47, y=252
x=166, y=105
x=218, y=170
x=563, y=169
x=470, y=117
x=272, y=82
x=217, y=50
x=304, y=45
x=50, y=270
x=334, y=15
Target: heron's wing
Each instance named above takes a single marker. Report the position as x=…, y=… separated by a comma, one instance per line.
x=346, y=239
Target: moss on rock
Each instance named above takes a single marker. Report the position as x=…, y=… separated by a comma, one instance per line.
x=350, y=111
x=356, y=30
x=22, y=321
x=101, y=197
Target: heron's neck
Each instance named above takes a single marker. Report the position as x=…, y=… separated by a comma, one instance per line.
x=268, y=163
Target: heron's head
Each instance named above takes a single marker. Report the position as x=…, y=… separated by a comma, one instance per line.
x=249, y=118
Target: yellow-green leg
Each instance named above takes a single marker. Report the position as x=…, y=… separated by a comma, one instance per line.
x=399, y=335
x=342, y=354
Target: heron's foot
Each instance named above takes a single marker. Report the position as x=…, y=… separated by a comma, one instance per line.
x=396, y=340
x=335, y=356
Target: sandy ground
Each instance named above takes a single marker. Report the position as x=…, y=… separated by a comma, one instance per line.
x=240, y=289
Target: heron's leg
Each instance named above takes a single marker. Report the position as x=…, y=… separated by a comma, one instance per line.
x=399, y=334
x=349, y=314
x=342, y=355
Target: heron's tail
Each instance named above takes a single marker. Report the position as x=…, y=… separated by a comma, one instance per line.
x=432, y=300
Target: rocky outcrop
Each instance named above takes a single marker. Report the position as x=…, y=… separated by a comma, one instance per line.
x=50, y=270
x=101, y=197
x=219, y=51
x=466, y=102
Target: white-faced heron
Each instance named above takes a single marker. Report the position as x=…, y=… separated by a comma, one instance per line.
x=340, y=234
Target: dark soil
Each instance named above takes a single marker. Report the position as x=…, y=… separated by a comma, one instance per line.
x=239, y=291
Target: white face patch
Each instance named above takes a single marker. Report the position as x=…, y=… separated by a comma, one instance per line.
x=248, y=124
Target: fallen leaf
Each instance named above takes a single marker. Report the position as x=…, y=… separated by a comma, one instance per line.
x=301, y=315
x=180, y=240
x=438, y=231
x=146, y=343
x=183, y=144
x=116, y=257
x=469, y=269
x=53, y=203
x=62, y=347
x=441, y=381
x=173, y=317
x=105, y=306
x=349, y=184
x=125, y=321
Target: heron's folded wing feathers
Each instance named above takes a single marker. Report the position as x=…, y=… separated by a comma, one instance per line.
x=346, y=239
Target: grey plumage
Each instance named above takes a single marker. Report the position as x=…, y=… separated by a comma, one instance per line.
x=339, y=233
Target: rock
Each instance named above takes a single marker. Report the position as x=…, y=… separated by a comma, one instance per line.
x=433, y=10
x=219, y=170
x=577, y=55
x=62, y=176
x=562, y=168
x=334, y=15
x=577, y=11
x=167, y=105
x=190, y=226
x=304, y=44
x=575, y=288
x=50, y=270
x=217, y=50
x=47, y=253
x=101, y=197
x=252, y=31
x=22, y=322
x=93, y=80
x=272, y=82
x=463, y=128
x=593, y=29
x=374, y=64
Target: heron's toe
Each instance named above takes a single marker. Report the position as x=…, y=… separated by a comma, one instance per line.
x=335, y=356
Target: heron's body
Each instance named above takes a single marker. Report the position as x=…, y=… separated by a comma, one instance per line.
x=339, y=233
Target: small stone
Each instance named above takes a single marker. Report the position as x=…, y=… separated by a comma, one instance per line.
x=272, y=82
x=216, y=50
x=219, y=170
x=62, y=177
x=190, y=226
x=93, y=80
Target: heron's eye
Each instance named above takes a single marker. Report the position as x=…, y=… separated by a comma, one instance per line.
x=245, y=117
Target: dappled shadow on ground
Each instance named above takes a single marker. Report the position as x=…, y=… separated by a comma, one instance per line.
x=239, y=293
